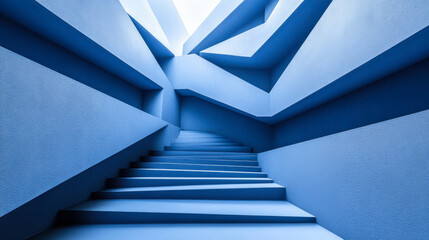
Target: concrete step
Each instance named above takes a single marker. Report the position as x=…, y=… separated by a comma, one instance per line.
x=208, y=144
x=200, y=161
x=203, y=140
x=158, y=172
x=252, y=191
x=209, y=148
x=114, y=211
x=191, y=231
x=201, y=136
x=166, y=165
x=227, y=155
x=125, y=182
x=193, y=133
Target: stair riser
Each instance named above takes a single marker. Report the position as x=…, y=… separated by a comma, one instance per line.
x=200, y=161
x=215, y=144
x=203, y=140
x=161, y=173
x=210, y=149
x=124, y=183
x=199, y=135
x=99, y=217
x=213, y=194
x=183, y=138
x=193, y=167
x=212, y=155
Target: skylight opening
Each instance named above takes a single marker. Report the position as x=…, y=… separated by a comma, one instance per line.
x=194, y=12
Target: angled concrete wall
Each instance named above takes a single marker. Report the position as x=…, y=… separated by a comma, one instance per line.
x=363, y=30
x=330, y=62
x=197, y=114
x=107, y=23
x=401, y=93
x=366, y=183
x=148, y=26
x=37, y=216
x=104, y=35
x=54, y=127
x=196, y=75
x=16, y=37
x=224, y=21
x=238, y=51
x=171, y=23
x=45, y=102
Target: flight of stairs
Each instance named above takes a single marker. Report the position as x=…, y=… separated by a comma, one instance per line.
x=203, y=186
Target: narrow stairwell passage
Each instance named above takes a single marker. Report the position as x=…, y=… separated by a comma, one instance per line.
x=203, y=186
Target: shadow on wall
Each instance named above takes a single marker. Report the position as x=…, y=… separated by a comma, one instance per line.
x=398, y=94
x=41, y=50
x=367, y=183
x=197, y=114
x=162, y=103
x=39, y=214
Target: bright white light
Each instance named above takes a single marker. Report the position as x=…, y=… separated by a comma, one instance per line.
x=194, y=12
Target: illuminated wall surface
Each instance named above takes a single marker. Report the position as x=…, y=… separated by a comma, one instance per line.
x=332, y=95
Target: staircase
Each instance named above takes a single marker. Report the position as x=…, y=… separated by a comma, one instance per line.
x=203, y=186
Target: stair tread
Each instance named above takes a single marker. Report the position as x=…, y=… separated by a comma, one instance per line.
x=207, y=153
x=206, y=157
x=204, y=144
x=203, y=141
x=224, y=231
x=196, y=131
x=201, y=158
x=207, y=148
x=202, y=137
x=199, y=134
x=224, y=207
x=191, y=136
x=196, y=187
x=162, y=172
x=192, y=170
x=198, y=164
x=176, y=181
x=196, y=178
x=201, y=161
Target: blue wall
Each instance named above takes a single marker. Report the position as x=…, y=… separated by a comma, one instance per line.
x=108, y=25
x=81, y=91
x=398, y=94
x=54, y=128
x=348, y=35
x=64, y=114
x=366, y=183
x=171, y=23
x=148, y=26
x=194, y=74
x=265, y=45
x=36, y=215
x=16, y=38
x=257, y=77
x=197, y=114
x=226, y=20
x=103, y=35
